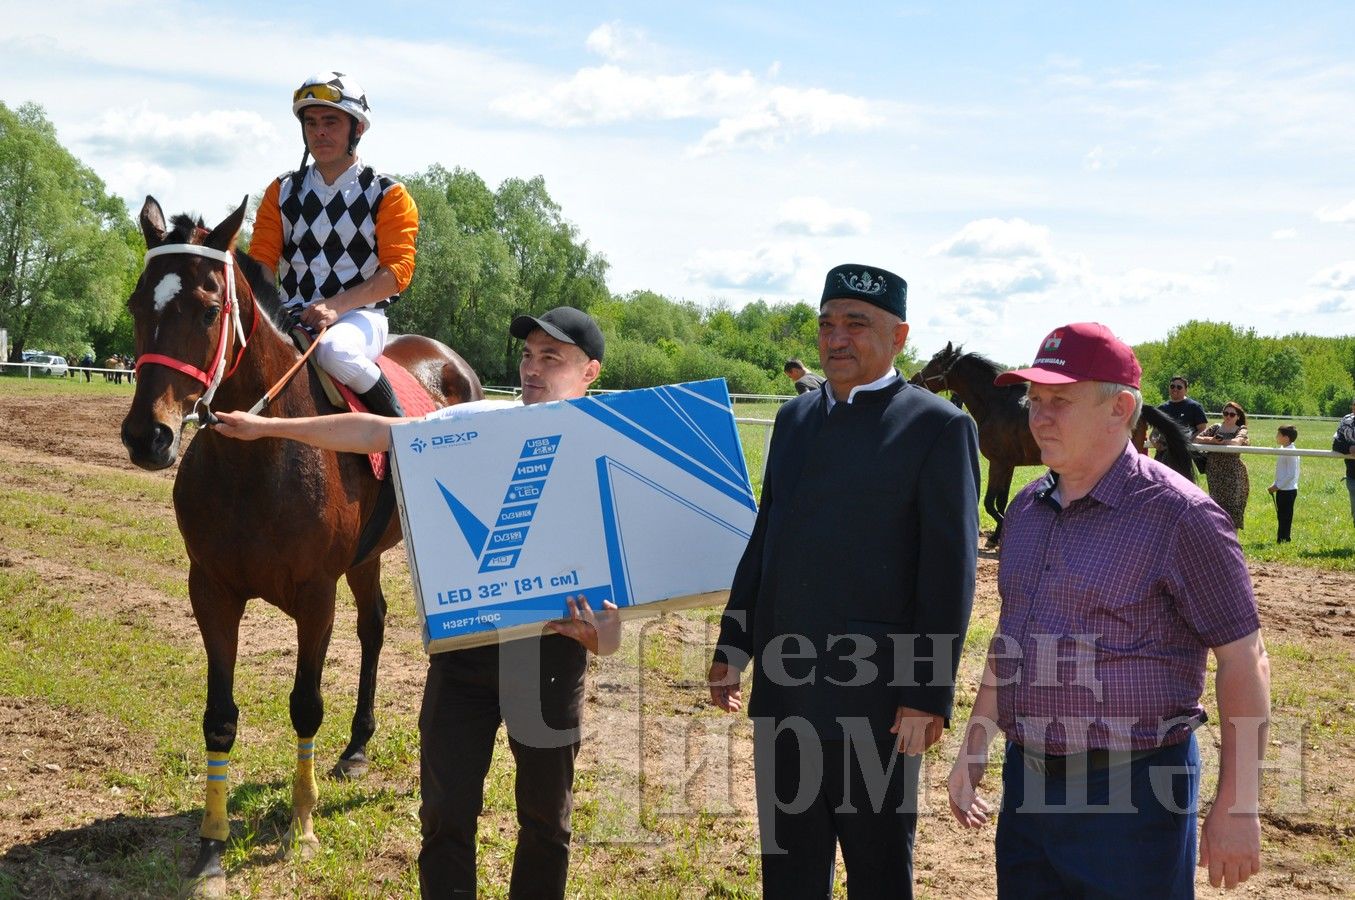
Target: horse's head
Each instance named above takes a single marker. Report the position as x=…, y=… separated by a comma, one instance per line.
x=932, y=376
x=184, y=329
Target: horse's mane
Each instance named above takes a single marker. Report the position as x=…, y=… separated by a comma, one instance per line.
x=989, y=370
x=265, y=288
x=182, y=228
x=261, y=281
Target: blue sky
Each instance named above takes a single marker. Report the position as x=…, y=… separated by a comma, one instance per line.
x=1022, y=165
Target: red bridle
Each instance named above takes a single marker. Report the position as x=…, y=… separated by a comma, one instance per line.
x=230, y=313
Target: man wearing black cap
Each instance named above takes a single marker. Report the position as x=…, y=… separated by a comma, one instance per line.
x=856, y=624
x=533, y=685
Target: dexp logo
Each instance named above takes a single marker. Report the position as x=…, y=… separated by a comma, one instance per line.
x=418, y=445
x=498, y=546
x=460, y=437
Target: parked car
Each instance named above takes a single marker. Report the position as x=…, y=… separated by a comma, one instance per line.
x=48, y=364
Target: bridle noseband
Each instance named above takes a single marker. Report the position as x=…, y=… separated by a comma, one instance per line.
x=217, y=367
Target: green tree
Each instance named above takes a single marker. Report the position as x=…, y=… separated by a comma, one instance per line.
x=485, y=256
x=463, y=291
x=64, y=242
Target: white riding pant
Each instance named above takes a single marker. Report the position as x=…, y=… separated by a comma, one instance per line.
x=349, y=348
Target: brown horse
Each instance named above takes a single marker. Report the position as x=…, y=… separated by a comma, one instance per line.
x=271, y=519
x=114, y=364
x=1004, y=426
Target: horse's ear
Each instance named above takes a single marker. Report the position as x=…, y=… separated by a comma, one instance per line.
x=223, y=236
x=152, y=223
x=949, y=348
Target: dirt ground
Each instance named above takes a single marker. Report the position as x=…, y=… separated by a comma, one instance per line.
x=55, y=810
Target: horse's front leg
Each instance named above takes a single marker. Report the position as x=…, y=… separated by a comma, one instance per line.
x=314, y=624
x=995, y=497
x=365, y=582
x=218, y=613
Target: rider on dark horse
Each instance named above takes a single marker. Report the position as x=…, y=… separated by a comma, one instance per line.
x=339, y=263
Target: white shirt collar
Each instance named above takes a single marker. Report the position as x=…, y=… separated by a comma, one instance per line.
x=883, y=381
x=317, y=181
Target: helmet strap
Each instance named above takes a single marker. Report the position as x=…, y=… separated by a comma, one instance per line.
x=353, y=136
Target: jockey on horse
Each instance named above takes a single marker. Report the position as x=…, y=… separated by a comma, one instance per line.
x=339, y=263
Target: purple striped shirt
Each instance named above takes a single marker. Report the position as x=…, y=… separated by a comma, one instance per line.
x=1109, y=608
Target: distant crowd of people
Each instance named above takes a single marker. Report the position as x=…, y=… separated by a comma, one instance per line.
x=1229, y=485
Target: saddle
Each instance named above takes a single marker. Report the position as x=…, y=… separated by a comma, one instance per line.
x=414, y=399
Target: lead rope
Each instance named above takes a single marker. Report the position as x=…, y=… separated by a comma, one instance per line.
x=276, y=389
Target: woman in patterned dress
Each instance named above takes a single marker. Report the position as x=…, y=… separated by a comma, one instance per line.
x=1228, y=483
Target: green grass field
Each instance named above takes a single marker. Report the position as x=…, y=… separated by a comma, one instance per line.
x=1323, y=534
x=124, y=678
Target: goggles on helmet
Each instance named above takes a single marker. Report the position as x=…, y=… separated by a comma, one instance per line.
x=325, y=92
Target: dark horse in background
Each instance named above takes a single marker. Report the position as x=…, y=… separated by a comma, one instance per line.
x=273, y=519
x=1004, y=426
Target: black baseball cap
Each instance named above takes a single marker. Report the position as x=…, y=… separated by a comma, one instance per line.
x=564, y=323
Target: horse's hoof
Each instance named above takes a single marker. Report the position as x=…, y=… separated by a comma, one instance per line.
x=207, y=886
x=350, y=769
x=299, y=848
x=207, y=878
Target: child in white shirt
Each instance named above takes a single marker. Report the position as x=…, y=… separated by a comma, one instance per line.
x=1286, y=486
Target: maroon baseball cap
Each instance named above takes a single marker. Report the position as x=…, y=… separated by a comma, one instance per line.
x=1082, y=351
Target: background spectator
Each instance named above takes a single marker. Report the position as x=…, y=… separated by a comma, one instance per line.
x=1228, y=483
x=1285, y=487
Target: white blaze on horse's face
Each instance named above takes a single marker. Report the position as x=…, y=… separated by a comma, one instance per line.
x=167, y=290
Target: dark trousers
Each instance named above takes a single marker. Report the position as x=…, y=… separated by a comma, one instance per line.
x=535, y=687
x=1284, y=511
x=813, y=795
x=1109, y=833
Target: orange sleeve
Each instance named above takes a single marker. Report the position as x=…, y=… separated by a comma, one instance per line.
x=397, y=227
x=265, y=245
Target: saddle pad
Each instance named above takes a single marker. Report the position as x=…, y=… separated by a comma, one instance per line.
x=414, y=400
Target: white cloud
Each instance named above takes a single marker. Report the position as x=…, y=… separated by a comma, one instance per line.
x=748, y=110
x=816, y=217
x=996, y=279
x=1144, y=285
x=1008, y=257
x=1341, y=215
x=770, y=268
x=1096, y=160
x=210, y=138
x=780, y=112
x=1284, y=234
x=1221, y=265
x=620, y=43
x=133, y=180
x=996, y=239
x=1340, y=277
x=1335, y=304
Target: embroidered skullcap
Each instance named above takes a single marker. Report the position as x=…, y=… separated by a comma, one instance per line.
x=868, y=284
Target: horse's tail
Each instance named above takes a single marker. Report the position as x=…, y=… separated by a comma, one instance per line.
x=1175, y=441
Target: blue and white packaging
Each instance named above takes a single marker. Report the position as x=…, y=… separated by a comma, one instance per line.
x=639, y=497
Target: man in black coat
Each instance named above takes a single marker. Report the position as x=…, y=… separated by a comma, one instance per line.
x=857, y=622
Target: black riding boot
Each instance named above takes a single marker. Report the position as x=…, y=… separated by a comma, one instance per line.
x=380, y=399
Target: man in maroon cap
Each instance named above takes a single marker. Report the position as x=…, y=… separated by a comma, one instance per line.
x=1117, y=577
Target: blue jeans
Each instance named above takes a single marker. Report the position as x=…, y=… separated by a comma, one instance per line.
x=1125, y=832
x=1350, y=488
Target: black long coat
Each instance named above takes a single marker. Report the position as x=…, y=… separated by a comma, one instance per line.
x=866, y=536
